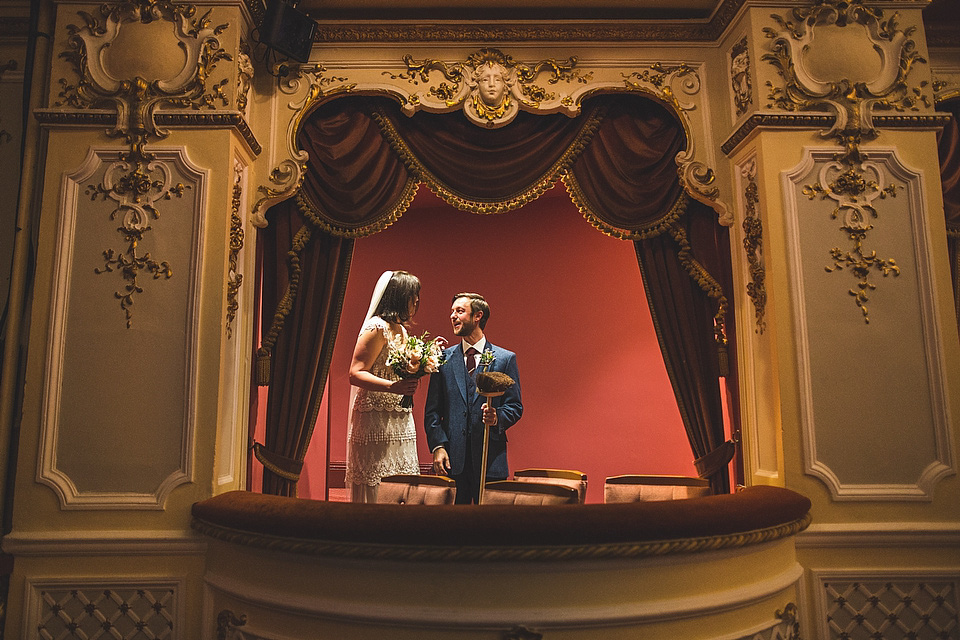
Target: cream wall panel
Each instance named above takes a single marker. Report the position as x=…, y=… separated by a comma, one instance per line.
x=869, y=431
x=118, y=423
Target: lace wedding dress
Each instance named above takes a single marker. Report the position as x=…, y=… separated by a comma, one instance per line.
x=381, y=435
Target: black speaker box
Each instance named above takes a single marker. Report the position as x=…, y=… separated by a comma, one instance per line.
x=287, y=30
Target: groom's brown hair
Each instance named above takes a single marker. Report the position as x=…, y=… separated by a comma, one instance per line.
x=477, y=303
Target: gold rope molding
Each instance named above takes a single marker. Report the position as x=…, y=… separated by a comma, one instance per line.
x=424, y=553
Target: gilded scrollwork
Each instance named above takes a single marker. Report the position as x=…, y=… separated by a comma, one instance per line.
x=285, y=178
x=490, y=86
x=179, y=70
x=136, y=183
x=740, y=81
x=852, y=102
x=753, y=243
x=854, y=194
x=244, y=77
x=665, y=82
x=122, y=85
x=789, y=618
x=234, y=277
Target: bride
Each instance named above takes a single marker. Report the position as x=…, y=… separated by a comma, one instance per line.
x=381, y=435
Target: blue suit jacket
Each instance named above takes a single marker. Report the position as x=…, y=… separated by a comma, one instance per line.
x=449, y=419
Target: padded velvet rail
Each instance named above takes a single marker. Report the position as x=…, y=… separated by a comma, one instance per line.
x=244, y=517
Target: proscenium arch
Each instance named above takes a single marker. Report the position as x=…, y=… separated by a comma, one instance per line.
x=617, y=161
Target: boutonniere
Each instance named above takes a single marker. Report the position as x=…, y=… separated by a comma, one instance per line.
x=486, y=358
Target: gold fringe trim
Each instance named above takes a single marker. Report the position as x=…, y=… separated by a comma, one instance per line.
x=655, y=228
x=711, y=287
x=322, y=221
x=424, y=553
x=300, y=240
x=546, y=181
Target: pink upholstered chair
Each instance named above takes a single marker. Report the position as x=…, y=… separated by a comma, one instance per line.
x=566, y=477
x=417, y=489
x=639, y=488
x=524, y=492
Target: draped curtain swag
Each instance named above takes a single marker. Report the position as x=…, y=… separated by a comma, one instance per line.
x=366, y=163
x=949, y=145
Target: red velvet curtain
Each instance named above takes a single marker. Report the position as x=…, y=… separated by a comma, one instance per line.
x=617, y=160
x=310, y=268
x=949, y=145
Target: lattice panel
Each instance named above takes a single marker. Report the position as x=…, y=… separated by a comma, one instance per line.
x=892, y=611
x=114, y=614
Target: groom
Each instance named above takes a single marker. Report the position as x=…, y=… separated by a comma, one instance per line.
x=455, y=415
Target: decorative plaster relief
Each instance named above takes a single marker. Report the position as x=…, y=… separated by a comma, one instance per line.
x=543, y=87
x=786, y=626
x=866, y=604
x=753, y=242
x=846, y=57
x=740, y=81
x=105, y=53
x=118, y=423
x=122, y=609
x=901, y=428
x=234, y=277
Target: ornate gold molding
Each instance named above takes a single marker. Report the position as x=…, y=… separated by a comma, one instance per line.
x=824, y=120
x=490, y=86
x=637, y=27
x=740, y=82
x=493, y=553
x=104, y=82
x=753, y=244
x=135, y=182
x=164, y=119
x=286, y=177
x=854, y=194
x=790, y=620
x=852, y=103
x=234, y=277
x=138, y=181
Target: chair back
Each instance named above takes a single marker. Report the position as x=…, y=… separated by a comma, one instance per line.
x=641, y=488
x=565, y=477
x=417, y=489
x=525, y=492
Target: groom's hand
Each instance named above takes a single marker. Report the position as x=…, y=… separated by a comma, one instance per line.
x=489, y=415
x=441, y=462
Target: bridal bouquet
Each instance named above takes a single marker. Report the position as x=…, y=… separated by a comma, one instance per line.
x=414, y=357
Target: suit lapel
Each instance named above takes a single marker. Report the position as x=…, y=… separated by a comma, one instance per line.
x=455, y=360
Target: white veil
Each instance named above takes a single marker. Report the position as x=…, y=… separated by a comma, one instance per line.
x=378, y=293
x=374, y=303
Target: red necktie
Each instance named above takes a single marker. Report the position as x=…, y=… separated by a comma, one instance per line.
x=471, y=360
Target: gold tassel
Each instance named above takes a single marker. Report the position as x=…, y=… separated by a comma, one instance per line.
x=724, y=365
x=263, y=368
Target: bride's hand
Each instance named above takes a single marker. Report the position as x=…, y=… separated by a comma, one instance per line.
x=405, y=386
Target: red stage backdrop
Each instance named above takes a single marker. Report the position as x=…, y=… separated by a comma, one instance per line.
x=566, y=298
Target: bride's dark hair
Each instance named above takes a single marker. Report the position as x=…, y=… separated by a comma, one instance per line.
x=394, y=304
